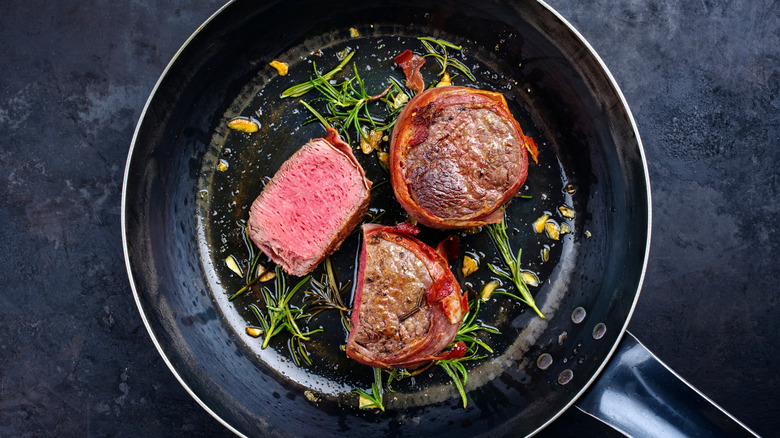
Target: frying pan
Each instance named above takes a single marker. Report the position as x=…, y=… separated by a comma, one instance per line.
x=180, y=215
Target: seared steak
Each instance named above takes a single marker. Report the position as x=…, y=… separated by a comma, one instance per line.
x=456, y=157
x=408, y=306
x=313, y=202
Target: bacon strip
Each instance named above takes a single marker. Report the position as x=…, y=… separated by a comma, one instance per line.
x=386, y=331
x=449, y=248
x=533, y=149
x=411, y=63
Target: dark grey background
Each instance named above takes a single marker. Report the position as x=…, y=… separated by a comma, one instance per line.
x=702, y=80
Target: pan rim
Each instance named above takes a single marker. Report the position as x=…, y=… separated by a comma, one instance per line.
x=595, y=375
x=123, y=220
x=646, y=175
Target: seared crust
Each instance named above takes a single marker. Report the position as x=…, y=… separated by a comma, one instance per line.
x=456, y=157
x=408, y=306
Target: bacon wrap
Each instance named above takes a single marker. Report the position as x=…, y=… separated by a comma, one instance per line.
x=457, y=351
x=410, y=63
x=449, y=248
x=457, y=156
x=398, y=321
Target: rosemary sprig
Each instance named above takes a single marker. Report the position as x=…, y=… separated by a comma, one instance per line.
x=254, y=258
x=326, y=293
x=303, y=88
x=470, y=326
x=498, y=233
x=252, y=249
x=443, y=57
x=374, y=399
x=467, y=333
x=397, y=374
x=281, y=315
x=316, y=114
x=248, y=285
x=457, y=372
x=348, y=104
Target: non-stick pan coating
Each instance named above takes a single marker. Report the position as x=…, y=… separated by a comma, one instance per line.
x=558, y=91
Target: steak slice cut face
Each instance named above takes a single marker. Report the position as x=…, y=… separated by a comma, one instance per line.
x=311, y=205
x=457, y=156
x=408, y=306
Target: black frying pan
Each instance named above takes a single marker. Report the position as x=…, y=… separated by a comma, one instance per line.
x=180, y=214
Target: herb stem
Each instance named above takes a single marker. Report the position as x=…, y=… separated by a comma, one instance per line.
x=442, y=57
x=303, y=88
x=498, y=233
x=248, y=285
x=374, y=399
x=441, y=42
x=316, y=114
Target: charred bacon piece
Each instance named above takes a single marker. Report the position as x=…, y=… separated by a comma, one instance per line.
x=457, y=156
x=408, y=306
x=411, y=63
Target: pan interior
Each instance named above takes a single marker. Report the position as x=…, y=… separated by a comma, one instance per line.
x=184, y=215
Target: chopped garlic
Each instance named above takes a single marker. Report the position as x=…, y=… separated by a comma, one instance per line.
x=231, y=263
x=366, y=403
x=529, y=278
x=384, y=157
x=244, y=124
x=539, y=223
x=281, y=67
x=552, y=229
x=470, y=266
x=374, y=138
x=269, y=275
x=488, y=289
x=566, y=212
x=254, y=332
x=445, y=81
x=222, y=165
x=399, y=100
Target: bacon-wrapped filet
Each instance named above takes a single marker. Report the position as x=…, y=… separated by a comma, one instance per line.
x=457, y=156
x=408, y=306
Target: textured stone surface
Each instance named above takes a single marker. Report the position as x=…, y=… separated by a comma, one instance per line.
x=703, y=82
x=701, y=77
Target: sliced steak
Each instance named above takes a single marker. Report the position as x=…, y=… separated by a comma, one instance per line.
x=408, y=306
x=457, y=156
x=311, y=205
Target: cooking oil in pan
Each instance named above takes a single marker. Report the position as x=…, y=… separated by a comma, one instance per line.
x=238, y=164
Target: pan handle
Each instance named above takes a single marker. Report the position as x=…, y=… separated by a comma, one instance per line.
x=640, y=396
